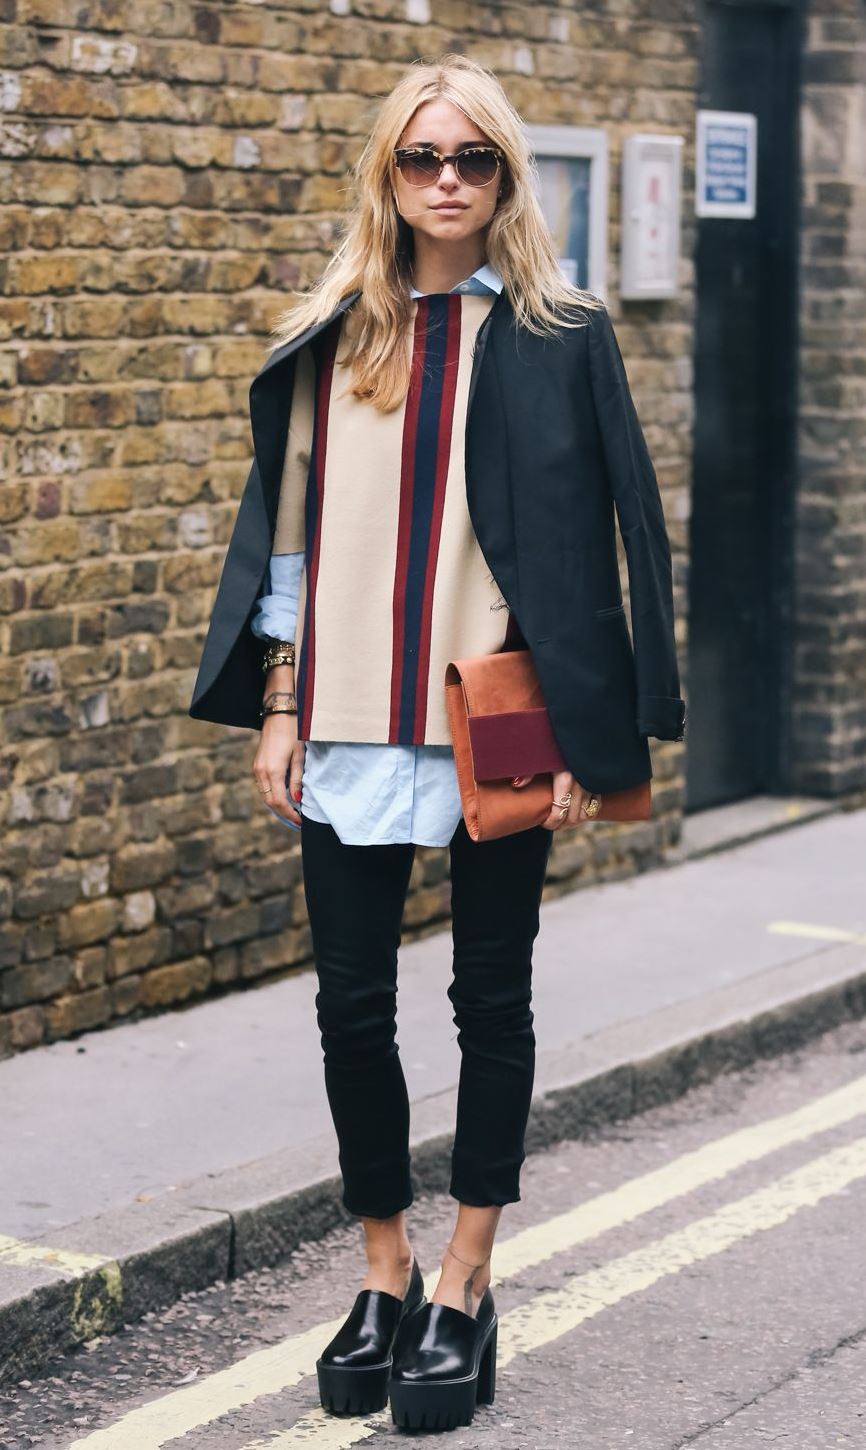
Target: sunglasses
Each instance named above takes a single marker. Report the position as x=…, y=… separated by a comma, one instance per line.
x=475, y=165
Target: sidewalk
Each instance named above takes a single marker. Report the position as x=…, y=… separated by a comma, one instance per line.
x=164, y=1154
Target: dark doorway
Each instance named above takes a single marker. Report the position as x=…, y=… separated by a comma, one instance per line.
x=745, y=419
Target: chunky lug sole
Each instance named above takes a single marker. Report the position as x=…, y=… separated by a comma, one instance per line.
x=446, y=1404
x=348, y=1390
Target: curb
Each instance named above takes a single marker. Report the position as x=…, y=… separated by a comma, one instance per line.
x=104, y=1272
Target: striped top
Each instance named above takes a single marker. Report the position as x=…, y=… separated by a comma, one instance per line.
x=395, y=583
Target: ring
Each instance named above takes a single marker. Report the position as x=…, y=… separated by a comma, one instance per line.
x=266, y=789
x=566, y=800
x=593, y=805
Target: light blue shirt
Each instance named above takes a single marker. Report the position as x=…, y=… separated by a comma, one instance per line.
x=371, y=793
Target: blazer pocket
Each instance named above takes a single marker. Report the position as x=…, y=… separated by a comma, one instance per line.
x=609, y=609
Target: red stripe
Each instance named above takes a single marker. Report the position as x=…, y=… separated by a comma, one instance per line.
x=443, y=453
x=404, y=523
x=323, y=401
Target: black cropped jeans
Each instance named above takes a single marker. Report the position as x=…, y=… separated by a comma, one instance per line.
x=355, y=898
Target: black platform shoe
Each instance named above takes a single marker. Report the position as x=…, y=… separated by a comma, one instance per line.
x=444, y=1365
x=353, y=1369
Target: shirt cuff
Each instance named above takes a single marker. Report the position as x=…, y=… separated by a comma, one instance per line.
x=276, y=610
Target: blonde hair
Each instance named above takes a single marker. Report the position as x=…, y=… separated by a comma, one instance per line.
x=376, y=253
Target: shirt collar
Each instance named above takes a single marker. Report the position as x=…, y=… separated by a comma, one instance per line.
x=484, y=279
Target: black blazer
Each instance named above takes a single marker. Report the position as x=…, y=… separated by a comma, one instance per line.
x=553, y=450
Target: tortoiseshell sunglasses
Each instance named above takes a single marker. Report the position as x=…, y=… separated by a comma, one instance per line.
x=475, y=165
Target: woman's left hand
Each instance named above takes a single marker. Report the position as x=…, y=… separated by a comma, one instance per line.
x=563, y=782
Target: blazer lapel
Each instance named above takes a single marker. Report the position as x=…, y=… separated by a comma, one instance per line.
x=501, y=308
x=270, y=397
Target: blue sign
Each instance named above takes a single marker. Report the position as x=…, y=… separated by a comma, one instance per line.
x=726, y=163
x=727, y=153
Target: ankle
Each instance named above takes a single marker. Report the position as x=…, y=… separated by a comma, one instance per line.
x=461, y=1286
x=473, y=1264
x=390, y=1272
x=471, y=1275
x=398, y=1259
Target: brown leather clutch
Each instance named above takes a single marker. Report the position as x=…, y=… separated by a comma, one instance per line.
x=500, y=728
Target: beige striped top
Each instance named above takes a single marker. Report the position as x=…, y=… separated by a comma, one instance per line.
x=394, y=582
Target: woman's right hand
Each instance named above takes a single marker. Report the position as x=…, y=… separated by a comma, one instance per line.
x=280, y=758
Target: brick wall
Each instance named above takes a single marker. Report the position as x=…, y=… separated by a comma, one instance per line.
x=163, y=186
x=828, y=714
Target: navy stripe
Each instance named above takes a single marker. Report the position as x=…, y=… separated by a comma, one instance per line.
x=426, y=447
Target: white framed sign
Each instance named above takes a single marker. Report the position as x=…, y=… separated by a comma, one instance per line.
x=726, y=146
x=572, y=189
x=651, y=190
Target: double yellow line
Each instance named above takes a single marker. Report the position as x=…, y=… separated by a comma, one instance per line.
x=22, y=1254
x=551, y=1314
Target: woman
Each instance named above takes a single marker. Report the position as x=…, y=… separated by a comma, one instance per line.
x=443, y=435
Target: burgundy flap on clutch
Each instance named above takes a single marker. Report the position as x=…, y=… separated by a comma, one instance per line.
x=513, y=742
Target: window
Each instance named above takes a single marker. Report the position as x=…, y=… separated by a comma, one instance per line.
x=572, y=189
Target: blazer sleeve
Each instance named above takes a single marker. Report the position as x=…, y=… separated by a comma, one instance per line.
x=660, y=710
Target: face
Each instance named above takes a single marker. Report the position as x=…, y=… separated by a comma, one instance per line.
x=447, y=209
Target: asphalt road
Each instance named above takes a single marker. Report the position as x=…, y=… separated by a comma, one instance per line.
x=692, y=1277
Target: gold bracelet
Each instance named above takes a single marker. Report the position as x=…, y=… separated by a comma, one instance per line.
x=279, y=652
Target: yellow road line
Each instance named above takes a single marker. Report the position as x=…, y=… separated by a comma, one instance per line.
x=683, y=1175
x=823, y=933
x=278, y=1367
x=557, y=1312
x=22, y=1254
x=264, y=1372
x=326, y=1432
